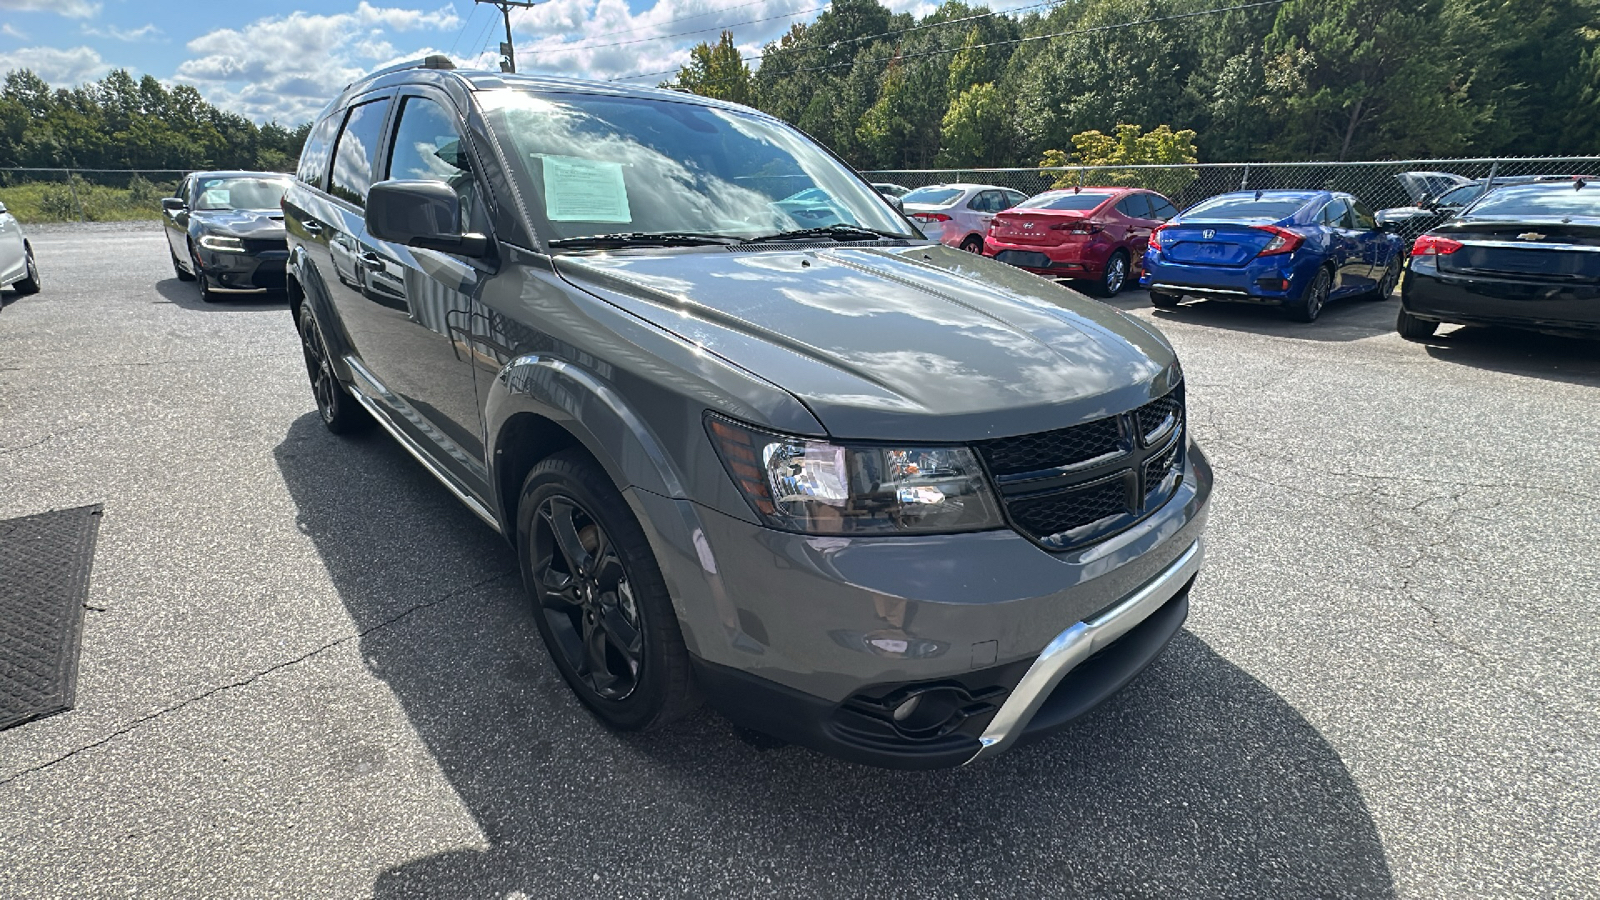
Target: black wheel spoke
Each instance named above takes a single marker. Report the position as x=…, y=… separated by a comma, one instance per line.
x=596, y=662
x=623, y=635
x=557, y=514
x=560, y=590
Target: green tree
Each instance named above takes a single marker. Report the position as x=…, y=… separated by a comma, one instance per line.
x=717, y=71
x=1130, y=145
x=972, y=130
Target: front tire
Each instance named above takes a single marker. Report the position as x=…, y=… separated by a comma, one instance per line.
x=207, y=295
x=601, y=603
x=178, y=270
x=30, y=282
x=1391, y=277
x=1412, y=328
x=340, y=413
x=1310, y=303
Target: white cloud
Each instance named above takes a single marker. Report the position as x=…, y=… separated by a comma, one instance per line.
x=59, y=67
x=72, y=9
x=142, y=33
x=8, y=31
x=288, y=67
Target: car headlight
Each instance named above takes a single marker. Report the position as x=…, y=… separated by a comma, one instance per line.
x=221, y=243
x=818, y=487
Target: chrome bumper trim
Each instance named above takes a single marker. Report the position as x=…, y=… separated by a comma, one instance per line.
x=1183, y=288
x=1071, y=647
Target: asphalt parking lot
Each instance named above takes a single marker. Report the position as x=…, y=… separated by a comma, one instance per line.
x=308, y=671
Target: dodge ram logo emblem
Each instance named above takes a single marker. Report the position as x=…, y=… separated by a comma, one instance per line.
x=1209, y=233
x=1530, y=236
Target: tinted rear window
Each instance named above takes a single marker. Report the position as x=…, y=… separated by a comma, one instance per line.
x=1248, y=207
x=1084, y=200
x=933, y=196
x=1539, y=200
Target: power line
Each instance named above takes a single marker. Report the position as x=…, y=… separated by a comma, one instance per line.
x=556, y=48
x=1039, y=37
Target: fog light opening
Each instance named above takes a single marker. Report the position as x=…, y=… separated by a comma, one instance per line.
x=928, y=712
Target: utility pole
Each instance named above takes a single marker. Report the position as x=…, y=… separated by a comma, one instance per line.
x=508, y=53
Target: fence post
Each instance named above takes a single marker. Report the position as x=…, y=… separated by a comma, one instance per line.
x=73, y=187
x=1244, y=180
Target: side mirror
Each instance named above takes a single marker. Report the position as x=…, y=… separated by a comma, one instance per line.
x=423, y=214
x=897, y=203
x=172, y=204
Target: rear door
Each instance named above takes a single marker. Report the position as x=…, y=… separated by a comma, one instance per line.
x=421, y=301
x=1136, y=209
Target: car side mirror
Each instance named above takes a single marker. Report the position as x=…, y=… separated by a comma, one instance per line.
x=423, y=214
x=897, y=203
x=172, y=204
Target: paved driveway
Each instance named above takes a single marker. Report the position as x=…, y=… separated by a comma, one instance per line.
x=307, y=671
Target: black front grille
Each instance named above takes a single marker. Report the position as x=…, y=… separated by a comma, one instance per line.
x=1070, y=510
x=1072, y=486
x=265, y=245
x=1052, y=449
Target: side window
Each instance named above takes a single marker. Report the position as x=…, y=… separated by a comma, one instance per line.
x=1362, y=216
x=186, y=191
x=353, y=154
x=1134, y=206
x=1333, y=215
x=314, y=157
x=1013, y=198
x=427, y=146
x=979, y=202
x=1161, y=209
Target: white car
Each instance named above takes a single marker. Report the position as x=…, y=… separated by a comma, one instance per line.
x=17, y=268
x=958, y=214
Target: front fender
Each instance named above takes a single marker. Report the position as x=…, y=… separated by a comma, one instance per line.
x=315, y=291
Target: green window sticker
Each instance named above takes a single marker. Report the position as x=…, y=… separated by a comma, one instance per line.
x=584, y=190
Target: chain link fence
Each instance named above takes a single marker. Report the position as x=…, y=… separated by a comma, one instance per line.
x=86, y=195
x=1375, y=183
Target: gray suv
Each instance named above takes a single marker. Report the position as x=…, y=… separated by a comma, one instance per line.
x=857, y=490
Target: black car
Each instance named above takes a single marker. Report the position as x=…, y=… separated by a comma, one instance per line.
x=1524, y=255
x=1433, y=210
x=226, y=229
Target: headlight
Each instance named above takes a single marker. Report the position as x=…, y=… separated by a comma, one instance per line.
x=816, y=487
x=221, y=243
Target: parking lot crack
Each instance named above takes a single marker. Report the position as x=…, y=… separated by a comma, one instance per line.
x=44, y=440
x=263, y=673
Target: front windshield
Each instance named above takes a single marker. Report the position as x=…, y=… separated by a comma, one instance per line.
x=600, y=165
x=247, y=192
x=1066, y=201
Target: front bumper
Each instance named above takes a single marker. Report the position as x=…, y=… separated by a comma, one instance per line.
x=244, y=273
x=819, y=639
x=1554, y=307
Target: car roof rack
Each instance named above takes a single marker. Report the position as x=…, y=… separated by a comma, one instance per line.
x=436, y=61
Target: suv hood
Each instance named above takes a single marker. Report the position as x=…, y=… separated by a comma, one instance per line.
x=920, y=342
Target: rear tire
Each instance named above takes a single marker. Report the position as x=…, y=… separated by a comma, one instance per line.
x=1162, y=300
x=1115, y=276
x=1412, y=328
x=30, y=282
x=973, y=244
x=1310, y=304
x=600, y=600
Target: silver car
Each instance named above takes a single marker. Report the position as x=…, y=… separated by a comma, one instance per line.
x=958, y=215
x=17, y=267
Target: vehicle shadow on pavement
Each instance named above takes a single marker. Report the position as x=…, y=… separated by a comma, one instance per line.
x=1342, y=320
x=187, y=295
x=1195, y=781
x=1515, y=352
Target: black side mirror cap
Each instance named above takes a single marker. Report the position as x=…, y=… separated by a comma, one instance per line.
x=422, y=214
x=172, y=204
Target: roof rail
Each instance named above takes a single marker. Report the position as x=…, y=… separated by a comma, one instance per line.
x=437, y=61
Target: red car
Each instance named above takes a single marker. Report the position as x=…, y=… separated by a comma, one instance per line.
x=1092, y=234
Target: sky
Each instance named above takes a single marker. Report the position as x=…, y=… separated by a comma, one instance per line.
x=274, y=61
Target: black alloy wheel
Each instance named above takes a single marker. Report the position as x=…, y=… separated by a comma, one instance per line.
x=339, y=412
x=207, y=295
x=1391, y=277
x=177, y=268
x=30, y=282
x=601, y=602
x=1310, y=304
x=1115, y=276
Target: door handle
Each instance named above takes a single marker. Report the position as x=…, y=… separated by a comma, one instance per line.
x=372, y=261
x=312, y=226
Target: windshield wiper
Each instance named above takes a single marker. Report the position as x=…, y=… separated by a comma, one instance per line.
x=641, y=239
x=837, y=232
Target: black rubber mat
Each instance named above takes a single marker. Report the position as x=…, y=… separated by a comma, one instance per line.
x=44, y=580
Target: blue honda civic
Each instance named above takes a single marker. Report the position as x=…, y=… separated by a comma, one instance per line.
x=1294, y=249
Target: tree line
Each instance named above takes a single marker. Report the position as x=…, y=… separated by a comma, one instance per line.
x=1259, y=81
x=120, y=123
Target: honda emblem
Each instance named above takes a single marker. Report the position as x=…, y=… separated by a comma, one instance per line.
x=1209, y=233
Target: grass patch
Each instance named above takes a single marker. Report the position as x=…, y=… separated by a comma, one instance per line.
x=81, y=200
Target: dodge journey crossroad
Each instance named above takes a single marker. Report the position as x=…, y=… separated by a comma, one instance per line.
x=855, y=489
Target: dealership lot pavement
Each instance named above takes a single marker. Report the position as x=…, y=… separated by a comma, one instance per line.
x=308, y=671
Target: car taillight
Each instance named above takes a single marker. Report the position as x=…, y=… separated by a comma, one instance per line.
x=1077, y=227
x=1429, y=243
x=1283, y=241
x=1155, y=238
x=930, y=217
